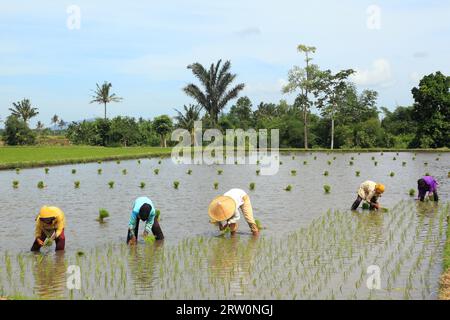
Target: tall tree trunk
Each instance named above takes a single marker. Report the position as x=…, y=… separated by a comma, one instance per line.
x=193, y=137
x=105, y=110
x=305, y=126
x=332, y=132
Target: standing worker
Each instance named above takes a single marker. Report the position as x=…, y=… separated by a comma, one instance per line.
x=224, y=211
x=50, y=224
x=143, y=209
x=427, y=184
x=369, y=191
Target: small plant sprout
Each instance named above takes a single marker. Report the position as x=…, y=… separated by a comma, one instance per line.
x=46, y=170
x=293, y=157
x=373, y=158
x=76, y=184
x=111, y=184
x=325, y=173
x=293, y=172
x=365, y=206
x=74, y=171
x=448, y=174
x=189, y=172
x=288, y=188
x=258, y=172
x=427, y=174
x=404, y=163
x=394, y=158
x=159, y=161
x=17, y=170
x=219, y=172
x=329, y=162
x=139, y=161
x=357, y=173
x=350, y=163
x=41, y=185
x=99, y=162
x=437, y=159
x=15, y=184
x=252, y=186
x=425, y=164
x=392, y=174
x=102, y=215
x=315, y=157
x=281, y=163
x=352, y=158
x=99, y=171
x=375, y=163
x=158, y=214
x=412, y=192
x=80, y=253
x=305, y=162
x=259, y=225
x=142, y=185
x=124, y=172
x=327, y=188
x=156, y=171
x=118, y=161
x=176, y=184
x=216, y=185
x=149, y=239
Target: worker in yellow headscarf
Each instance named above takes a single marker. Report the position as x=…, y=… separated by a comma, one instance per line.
x=50, y=224
x=369, y=191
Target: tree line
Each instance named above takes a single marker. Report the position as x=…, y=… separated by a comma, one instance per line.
x=345, y=118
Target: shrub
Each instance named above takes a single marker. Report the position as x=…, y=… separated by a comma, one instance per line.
x=327, y=188
x=17, y=132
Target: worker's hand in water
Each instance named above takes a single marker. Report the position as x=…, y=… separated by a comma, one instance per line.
x=132, y=241
x=53, y=236
x=223, y=227
x=40, y=242
x=376, y=205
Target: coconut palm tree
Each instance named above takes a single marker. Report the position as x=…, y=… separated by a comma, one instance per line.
x=23, y=109
x=215, y=82
x=103, y=96
x=186, y=120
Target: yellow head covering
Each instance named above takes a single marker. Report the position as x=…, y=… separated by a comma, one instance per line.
x=221, y=208
x=48, y=212
x=379, y=188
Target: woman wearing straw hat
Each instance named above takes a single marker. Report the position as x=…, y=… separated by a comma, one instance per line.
x=369, y=191
x=224, y=210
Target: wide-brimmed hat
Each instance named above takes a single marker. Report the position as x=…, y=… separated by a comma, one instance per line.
x=48, y=212
x=221, y=208
x=379, y=187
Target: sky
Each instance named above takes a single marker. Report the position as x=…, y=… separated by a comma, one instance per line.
x=54, y=52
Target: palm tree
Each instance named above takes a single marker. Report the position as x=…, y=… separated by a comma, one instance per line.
x=61, y=124
x=186, y=120
x=215, y=82
x=102, y=95
x=55, y=120
x=23, y=109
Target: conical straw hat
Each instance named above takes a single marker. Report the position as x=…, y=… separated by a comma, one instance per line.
x=221, y=208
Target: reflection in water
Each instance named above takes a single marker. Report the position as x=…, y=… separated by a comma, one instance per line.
x=370, y=223
x=427, y=209
x=143, y=262
x=231, y=263
x=50, y=275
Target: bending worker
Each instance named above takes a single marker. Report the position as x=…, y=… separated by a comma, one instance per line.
x=369, y=191
x=224, y=210
x=427, y=184
x=50, y=224
x=143, y=209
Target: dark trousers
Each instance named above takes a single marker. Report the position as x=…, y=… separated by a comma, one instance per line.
x=358, y=200
x=435, y=195
x=156, y=230
x=60, y=242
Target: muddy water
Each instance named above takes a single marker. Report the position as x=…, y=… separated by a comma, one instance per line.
x=184, y=219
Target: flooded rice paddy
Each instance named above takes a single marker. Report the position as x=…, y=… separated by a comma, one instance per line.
x=313, y=246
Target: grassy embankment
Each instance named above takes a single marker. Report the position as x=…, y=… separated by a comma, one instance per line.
x=444, y=293
x=30, y=157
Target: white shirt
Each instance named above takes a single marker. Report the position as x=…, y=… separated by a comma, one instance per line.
x=238, y=196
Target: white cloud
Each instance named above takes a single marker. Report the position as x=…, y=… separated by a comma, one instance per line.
x=378, y=75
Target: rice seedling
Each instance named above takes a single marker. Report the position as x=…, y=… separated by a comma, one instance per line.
x=159, y=161
x=216, y=185
x=329, y=162
x=394, y=158
x=350, y=163
x=288, y=188
x=412, y=192
x=15, y=184
x=176, y=184
x=99, y=171
x=425, y=164
x=80, y=253
x=392, y=174
x=158, y=214
x=46, y=170
x=437, y=159
x=252, y=186
x=189, y=172
x=375, y=163
x=427, y=174
x=325, y=173
x=76, y=184
x=281, y=163
x=315, y=157
x=258, y=172
x=41, y=185
x=305, y=162
x=139, y=161
x=17, y=170
x=357, y=173
x=259, y=225
x=111, y=184
x=293, y=172
x=156, y=171
x=124, y=172
x=327, y=188
x=293, y=157
x=219, y=172
x=102, y=215
x=118, y=161
x=142, y=185
x=150, y=239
